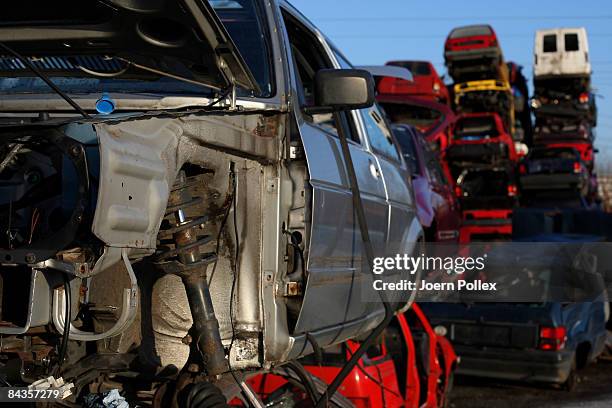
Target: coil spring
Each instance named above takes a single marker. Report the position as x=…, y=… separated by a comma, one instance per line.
x=178, y=239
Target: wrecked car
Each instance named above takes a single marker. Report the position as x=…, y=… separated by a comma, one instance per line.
x=481, y=137
x=473, y=52
x=185, y=189
x=427, y=83
x=437, y=206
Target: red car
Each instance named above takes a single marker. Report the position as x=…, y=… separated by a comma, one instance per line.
x=481, y=138
x=426, y=82
x=473, y=51
x=433, y=119
x=487, y=195
x=411, y=366
x=437, y=206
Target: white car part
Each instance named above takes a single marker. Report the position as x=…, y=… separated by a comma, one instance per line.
x=128, y=310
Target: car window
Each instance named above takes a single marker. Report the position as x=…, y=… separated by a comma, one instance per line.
x=378, y=133
x=550, y=43
x=435, y=170
x=406, y=142
x=421, y=117
x=417, y=68
x=571, y=42
x=308, y=58
x=470, y=31
x=246, y=24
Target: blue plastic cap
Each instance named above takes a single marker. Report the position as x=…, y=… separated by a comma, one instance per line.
x=105, y=105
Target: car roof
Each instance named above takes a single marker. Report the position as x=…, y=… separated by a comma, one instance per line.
x=456, y=32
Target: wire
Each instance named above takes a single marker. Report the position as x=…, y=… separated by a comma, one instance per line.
x=25, y=61
x=306, y=380
x=374, y=380
x=65, y=335
x=455, y=18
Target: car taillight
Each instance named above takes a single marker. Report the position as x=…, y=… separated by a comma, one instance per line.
x=552, y=338
x=577, y=167
x=458, y=191
x=512, y=190
x=583, y=98
x=523, y=169
x=436, y=87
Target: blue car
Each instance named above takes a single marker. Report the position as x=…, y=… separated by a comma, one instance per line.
x=542, y=336
x=544, y=342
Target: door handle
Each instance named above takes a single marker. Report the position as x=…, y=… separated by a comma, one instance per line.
x=374, y=169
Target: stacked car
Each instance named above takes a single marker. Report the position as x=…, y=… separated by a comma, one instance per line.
x=562, y=157
x=486, y=142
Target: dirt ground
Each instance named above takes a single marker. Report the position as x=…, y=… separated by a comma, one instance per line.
x=594, y=390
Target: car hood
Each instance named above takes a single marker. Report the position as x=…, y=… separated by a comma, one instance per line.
x=184, y=38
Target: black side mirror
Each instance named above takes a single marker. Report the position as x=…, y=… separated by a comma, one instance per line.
x=342, y=89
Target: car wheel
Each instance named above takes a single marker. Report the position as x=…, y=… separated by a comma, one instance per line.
x=570, y=384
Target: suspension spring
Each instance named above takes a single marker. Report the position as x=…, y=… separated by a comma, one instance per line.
x=180, y=254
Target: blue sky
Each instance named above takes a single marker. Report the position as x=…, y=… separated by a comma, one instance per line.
x=373, y=32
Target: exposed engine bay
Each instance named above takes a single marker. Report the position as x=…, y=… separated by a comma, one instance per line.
x=137, y=252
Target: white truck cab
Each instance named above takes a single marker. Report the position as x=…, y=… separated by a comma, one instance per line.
x=561, y=52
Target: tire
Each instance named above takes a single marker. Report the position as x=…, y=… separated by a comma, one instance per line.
x=572, y=380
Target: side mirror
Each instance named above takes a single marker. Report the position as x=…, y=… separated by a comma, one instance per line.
x=342, y=89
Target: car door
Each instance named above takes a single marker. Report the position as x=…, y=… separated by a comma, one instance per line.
x=395, y=176
x=404, y=229
x=335, y=252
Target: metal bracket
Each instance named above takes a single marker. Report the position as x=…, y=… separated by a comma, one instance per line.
x=128, y=311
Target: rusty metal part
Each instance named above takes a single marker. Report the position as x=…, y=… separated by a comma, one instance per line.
x=190, y=264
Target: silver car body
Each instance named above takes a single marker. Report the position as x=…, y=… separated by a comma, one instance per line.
x=141, y=154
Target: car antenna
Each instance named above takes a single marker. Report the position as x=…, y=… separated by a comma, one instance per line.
x=25, y=61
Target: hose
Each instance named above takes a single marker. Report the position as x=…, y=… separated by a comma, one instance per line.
x=66, y=333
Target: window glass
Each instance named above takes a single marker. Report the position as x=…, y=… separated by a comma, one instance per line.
x=571, y=42
x=421, y=117
x=378, y=132
x=550, y=43
x=308, y=58
x=406, y=142
x=245, y=22
x=471, y=31
x=417, y=68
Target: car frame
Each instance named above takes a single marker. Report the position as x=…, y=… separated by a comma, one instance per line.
x=437, y=133
x=496, y=148
x=474, y=54
x=284, y=268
